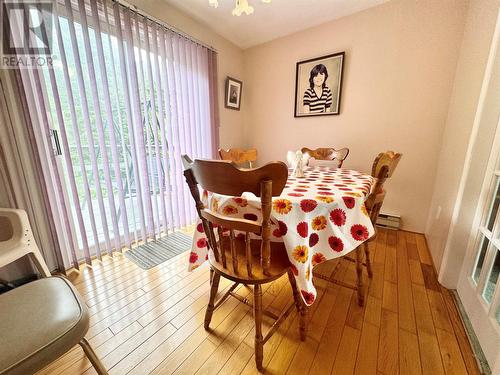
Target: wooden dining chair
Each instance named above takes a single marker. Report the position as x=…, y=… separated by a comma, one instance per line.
x=235, y=256
x=383, y=167
x=323, y=153
x=239, y=155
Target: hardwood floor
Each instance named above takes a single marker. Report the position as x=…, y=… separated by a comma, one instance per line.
x=152, y=321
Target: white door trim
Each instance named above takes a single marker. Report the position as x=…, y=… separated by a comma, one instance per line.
x=448, y=272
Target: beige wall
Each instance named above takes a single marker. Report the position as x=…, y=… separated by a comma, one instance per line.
x=400, y=62
x=471, y=67
x=230, y=62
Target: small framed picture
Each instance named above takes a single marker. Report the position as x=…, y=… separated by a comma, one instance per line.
x=318, y=85
x=233, y=93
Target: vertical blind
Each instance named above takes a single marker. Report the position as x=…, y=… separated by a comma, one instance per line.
x=125, y=98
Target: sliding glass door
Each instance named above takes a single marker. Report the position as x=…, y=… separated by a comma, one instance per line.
x=124, y=99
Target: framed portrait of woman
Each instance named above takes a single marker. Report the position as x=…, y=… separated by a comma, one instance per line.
x=318, y=86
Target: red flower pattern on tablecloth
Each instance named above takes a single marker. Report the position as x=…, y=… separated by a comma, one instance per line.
x=302, y=229
x=313, y=239
x=229, y=210
x=193, y=257
x=308, y=297
x=359, y=232
x=242, y=202
x=349, y=202
x=336, y=244
x=319, y=217
x=307, y=205
x=202, y=242
x=338, y=217
x=318, y=258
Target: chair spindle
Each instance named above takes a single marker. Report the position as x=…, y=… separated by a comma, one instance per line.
x=234, y=256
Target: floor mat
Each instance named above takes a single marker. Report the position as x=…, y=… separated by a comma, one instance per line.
x=155, y=252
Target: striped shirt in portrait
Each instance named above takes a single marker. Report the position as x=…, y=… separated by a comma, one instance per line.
x=318, y=105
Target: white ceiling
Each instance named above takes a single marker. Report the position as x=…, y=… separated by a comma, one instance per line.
x=269, y=21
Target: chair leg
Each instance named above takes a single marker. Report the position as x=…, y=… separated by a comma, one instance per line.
x=367, y=259
x=359, y=281
x=301, y=308
x=89, y=352
x=257, y=314
x=211, y=303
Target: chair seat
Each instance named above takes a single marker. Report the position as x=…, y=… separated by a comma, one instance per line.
x=278, y=267
x=39, y=322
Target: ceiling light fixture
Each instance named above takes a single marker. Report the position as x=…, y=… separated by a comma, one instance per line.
x=240, y=7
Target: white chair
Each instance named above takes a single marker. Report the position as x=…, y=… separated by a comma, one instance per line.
x=313, y=162
x=16, y=240
x=41, y=320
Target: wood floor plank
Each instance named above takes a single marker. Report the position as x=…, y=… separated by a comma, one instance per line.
x=327, y=349
x=430, y=279
x=450, y=353
x=432, y=363
x=423, y=314
x=391, y=269
x=416, y=274
x=390, y=297
x=460, y=333
x=411, y=245
x=238, y=360
x=409, y=353
x=423, y=250
x=373, y=310
x=345, y=361
x=439, y=311
x=388, y=358
x=318, y=318
x=406, y=312
x=202, y=352
x=366, y=362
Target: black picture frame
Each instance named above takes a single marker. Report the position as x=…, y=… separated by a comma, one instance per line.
x=335, y=62
x=233, y=90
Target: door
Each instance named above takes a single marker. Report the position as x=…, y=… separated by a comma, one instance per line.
x=478, y=285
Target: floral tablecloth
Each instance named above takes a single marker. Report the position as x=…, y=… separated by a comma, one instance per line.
x=320, y=216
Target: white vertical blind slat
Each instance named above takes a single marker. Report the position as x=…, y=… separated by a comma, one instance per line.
x=163, y=135
x=171, y=114
x=140, y=142
x=145, y=99
x=155, y=123
x=112, y=138
x=129, y=100
x=101, y=139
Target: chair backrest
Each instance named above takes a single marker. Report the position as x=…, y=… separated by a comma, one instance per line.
x=324, y=153
x=223, y=177
x=383, y=167
x=239, y=155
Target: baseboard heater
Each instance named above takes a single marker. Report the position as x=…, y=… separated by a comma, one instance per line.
x=389, y=221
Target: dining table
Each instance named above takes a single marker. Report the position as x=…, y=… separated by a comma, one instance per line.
x=318, y=217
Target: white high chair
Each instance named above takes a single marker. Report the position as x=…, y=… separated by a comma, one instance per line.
x=16, y=240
